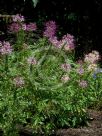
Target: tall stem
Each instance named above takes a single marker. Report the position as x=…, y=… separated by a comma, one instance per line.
x=6, y=63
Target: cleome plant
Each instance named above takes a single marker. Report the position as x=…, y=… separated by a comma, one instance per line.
x=42, y=86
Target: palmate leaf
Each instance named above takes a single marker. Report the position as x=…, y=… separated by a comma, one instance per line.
x=34, y=2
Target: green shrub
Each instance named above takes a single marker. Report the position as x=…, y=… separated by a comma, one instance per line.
x=43, y=88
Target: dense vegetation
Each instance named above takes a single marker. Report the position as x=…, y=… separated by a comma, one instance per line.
x=50, y=70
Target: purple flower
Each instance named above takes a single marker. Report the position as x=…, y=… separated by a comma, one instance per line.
x=50, y=29
x=19, y=81
x=80, y=71
x=6, y=48
x=94, y=75
x=83, y=83
x=18, y=18
x=31, y=27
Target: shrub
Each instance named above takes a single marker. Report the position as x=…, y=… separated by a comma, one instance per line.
x=42, y=87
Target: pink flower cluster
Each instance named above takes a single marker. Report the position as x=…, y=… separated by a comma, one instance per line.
x=83, y=83
x=67, y=42
x=54, y=41
x=18, y=18
x=65, y=78
x=31, y=27
x=66, y=67
x=19, y=81
x=5, y=48
x=50, y=29
x=32, y=61
x=16, y=27
x=92, y=57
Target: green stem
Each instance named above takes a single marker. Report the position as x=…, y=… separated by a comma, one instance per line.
x=6, y=63
x=31, y=68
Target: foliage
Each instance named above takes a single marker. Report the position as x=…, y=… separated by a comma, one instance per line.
x=41, y=85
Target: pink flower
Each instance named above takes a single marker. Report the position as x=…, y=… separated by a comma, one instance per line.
x=50, y=29
x=55, y=42
x=65, y=78
x=69, y=47
x=31, y=27
x=68, y=42
x=92, y=57
x=83, y=83
x=66, y=67
x=19, y=81
x=18, y=18
x=32, y=61
x=14, y=27
x=6, y=48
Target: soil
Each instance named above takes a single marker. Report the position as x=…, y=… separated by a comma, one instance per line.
x=94, y=127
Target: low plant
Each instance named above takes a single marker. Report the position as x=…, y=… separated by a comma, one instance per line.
x=42, y=87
